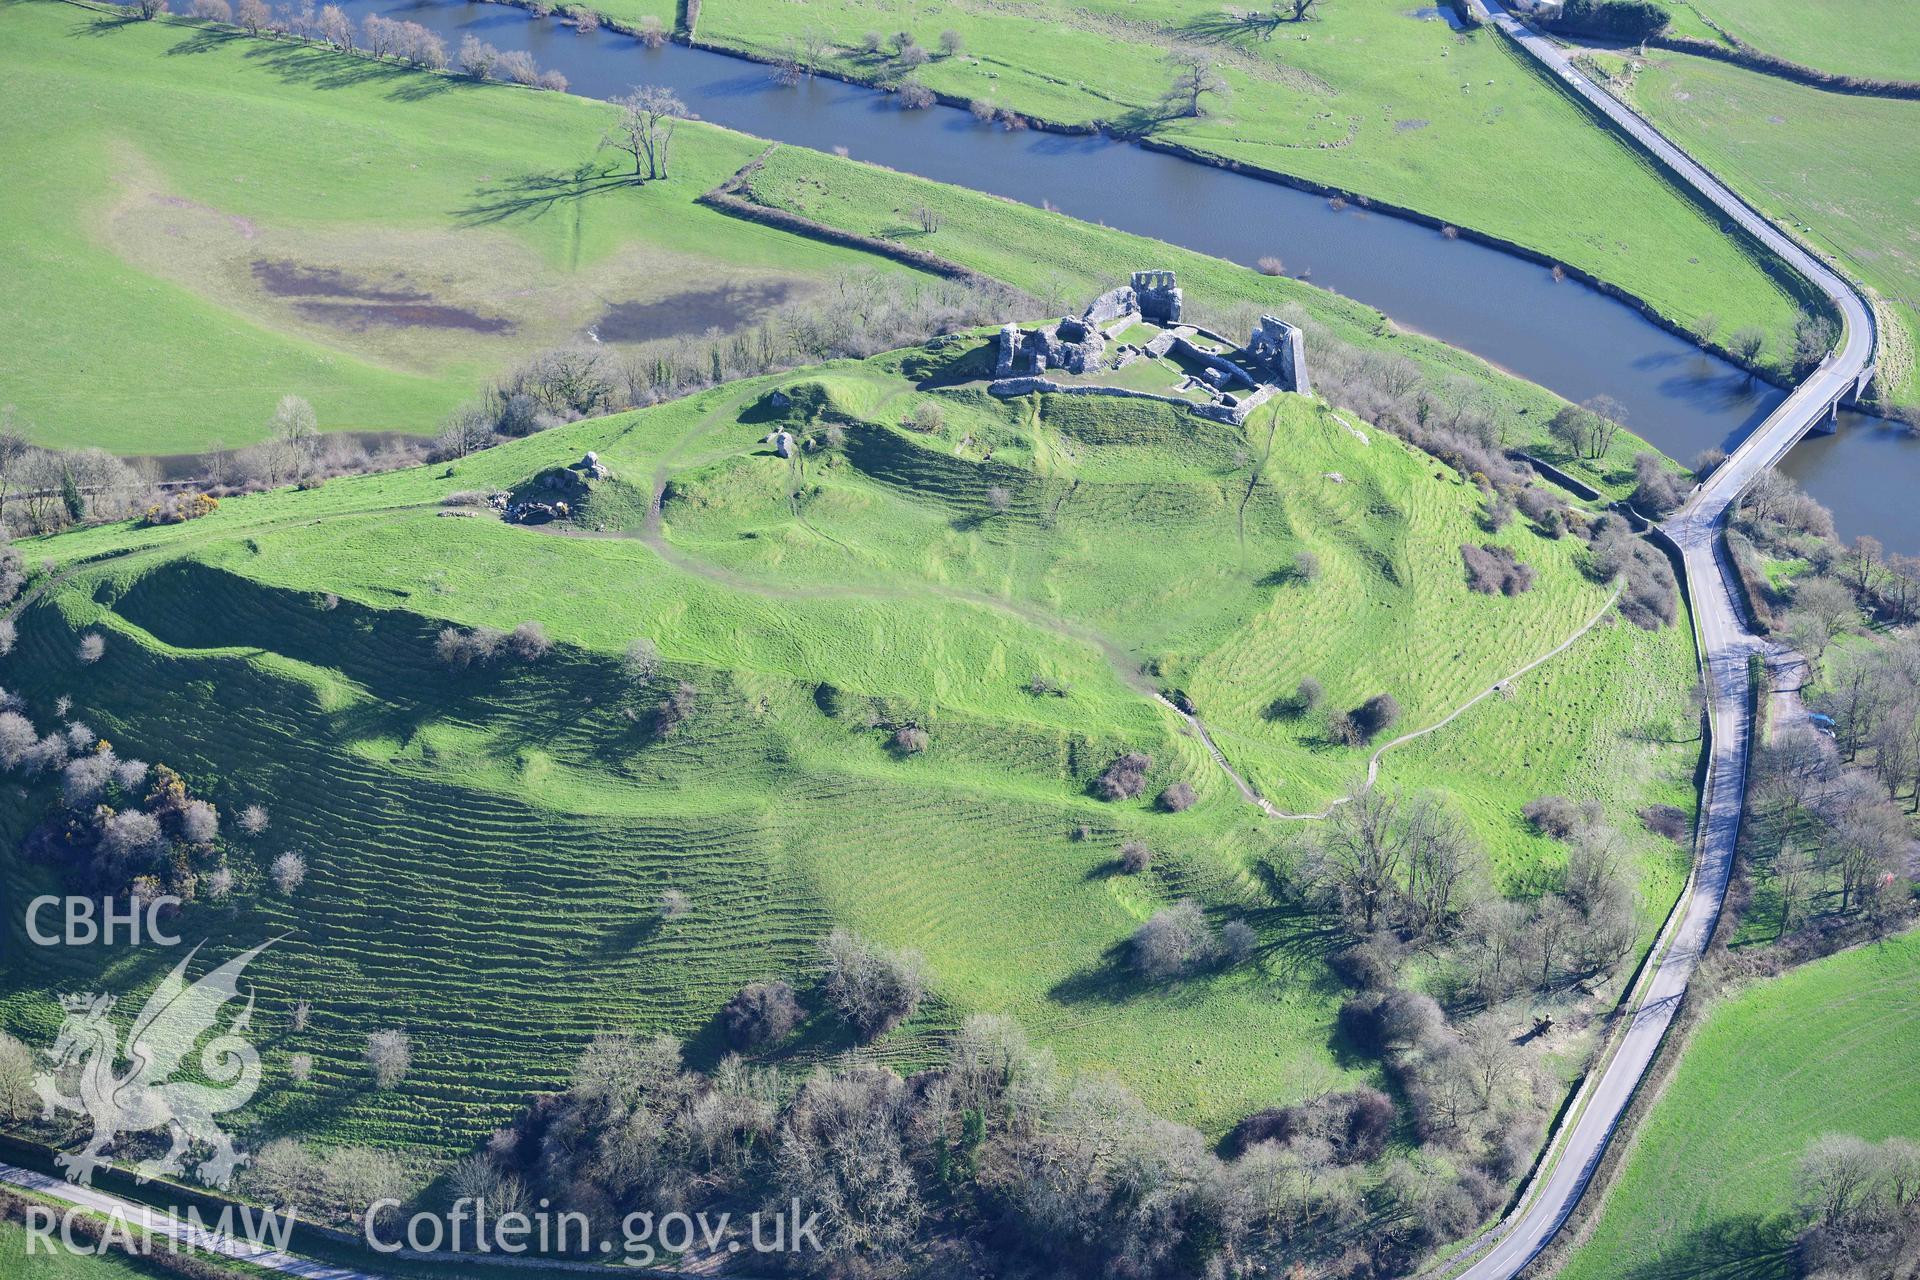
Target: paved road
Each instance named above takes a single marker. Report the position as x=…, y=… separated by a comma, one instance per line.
x=190, y=1238
x=1726, y=642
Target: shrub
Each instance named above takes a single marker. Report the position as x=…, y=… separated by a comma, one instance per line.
x=674, y=904
x=1125, y=778
x=1238, y=941
x=1177, y=798
x=300, y=1067
x=529, y=642
x=1355, y=1125
x=1135, y=857
x=874, y=990
x=909, y=740
x=1271, y=266
x=1666, y=820
x=390, y=1054
x=1376, y=715
x=1307, y=695
x=1173, y=941
x=1657, y=490
x=1493, y=570
x=93, y=647
x=915, y=96
x=253, y=819
x=1629, y=20
x=675, y=710
x=762, y=1013
x=928, y=417
x=1553, y=816
x=1344, y=731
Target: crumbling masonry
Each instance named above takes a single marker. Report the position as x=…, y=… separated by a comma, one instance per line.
x=1233, y=379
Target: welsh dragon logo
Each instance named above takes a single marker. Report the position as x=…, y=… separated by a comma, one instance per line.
x=145, y=1096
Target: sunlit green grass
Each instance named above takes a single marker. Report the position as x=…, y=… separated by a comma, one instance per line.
x=168, y=158
x=1817, y=161
x=1708, y=1188
x=487, y=849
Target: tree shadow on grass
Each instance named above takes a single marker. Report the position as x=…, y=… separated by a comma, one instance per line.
x=106, y=24
x=313, y=67
x=205, y=40
x=1744, y=1247
x=1230, y=28
x=532, y=195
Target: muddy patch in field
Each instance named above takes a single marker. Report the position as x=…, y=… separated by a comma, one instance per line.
x=693, y=312
x=285, y=278
x=361, y=316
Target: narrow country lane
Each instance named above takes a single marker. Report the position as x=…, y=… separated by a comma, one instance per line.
x=1726, y=642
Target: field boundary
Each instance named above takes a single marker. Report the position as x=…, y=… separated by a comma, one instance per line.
x=727, y=199
x=1741, y=54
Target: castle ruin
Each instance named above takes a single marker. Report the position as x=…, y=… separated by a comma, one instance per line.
x=1212, y=376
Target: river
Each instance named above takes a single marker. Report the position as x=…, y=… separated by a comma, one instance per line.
x=1562, y=334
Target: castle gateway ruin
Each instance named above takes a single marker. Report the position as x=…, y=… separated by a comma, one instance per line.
x=1132, y=342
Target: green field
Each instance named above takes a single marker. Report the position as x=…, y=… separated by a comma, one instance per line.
x=486, y=849
x=1367, y=97
x=1873, y=39
x=63, y=1264
x=1819, y=162
x=1707, y=1189
x=201, y=223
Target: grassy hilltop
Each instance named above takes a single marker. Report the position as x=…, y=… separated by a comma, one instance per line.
x=281, y=651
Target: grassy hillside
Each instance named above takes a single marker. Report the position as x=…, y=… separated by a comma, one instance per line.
x=204, y=223
x=1826, y=1049
x=487, y=848
x=1874, y=39
x=1817, y=161
x=1370, y=96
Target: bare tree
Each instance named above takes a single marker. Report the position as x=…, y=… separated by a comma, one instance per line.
x=390, y=1054
x=1194, y=81
x=872, y=988
x=1173, y=941
x=648, y=115
x=289, y=871
x=18, y=1096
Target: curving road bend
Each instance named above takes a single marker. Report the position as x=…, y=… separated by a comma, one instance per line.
x=1725, y=644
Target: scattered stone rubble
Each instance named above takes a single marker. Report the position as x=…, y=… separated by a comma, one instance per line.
x=559, y=490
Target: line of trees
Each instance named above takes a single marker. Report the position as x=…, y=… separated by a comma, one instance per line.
x=377, y=37
x=992, y=1162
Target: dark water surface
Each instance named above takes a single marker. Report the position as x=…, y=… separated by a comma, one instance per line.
x=1561, y=334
